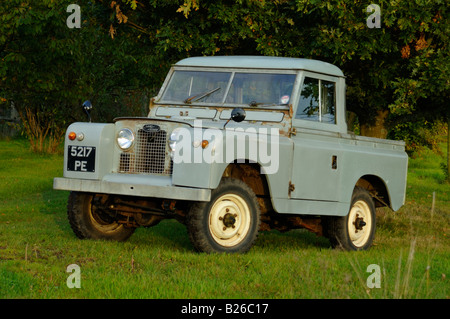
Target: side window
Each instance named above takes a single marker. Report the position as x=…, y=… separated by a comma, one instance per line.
x=317, y=101
x=328, y=92
x=308, y=106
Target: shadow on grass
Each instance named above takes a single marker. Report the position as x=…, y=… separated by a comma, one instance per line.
x=291, y=240
x=171, y=234
x=168, y=234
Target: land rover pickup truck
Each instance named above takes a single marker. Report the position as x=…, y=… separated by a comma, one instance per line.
x=233, y=146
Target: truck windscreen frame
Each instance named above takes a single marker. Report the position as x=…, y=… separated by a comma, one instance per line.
x=233, y=88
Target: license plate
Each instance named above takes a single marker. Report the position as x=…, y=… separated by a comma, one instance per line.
x=81, y=159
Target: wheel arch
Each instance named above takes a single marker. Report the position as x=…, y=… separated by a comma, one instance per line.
x=377, y=188
x=250, y=174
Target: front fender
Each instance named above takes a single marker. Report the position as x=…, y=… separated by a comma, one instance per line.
x=195, y=166
x=95, y=135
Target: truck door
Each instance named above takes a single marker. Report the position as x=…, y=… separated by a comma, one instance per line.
x=317, y=152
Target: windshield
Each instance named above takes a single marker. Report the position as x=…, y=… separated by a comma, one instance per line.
x=197, y=86
x=254, y=89
x=260, y=89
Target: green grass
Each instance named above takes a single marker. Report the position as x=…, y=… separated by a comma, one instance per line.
x=37, y=245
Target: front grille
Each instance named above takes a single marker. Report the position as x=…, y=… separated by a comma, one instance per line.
x=149, y=155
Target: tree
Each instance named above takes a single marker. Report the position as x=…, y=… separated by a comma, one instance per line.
x=47, y=69
x=397, y=74
x=388, y=68
x=30, y=80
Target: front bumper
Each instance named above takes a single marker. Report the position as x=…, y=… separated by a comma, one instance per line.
x=133, y=185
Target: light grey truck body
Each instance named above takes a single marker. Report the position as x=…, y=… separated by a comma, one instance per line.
x=292, y=147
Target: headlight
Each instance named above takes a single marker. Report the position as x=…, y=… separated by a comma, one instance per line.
x=125, y=138
x=173, y=139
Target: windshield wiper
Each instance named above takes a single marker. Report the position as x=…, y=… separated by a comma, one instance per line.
x=254, y=104
x=200, y=96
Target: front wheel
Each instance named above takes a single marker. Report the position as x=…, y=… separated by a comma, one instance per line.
x=229, y=222
x=356, y=230
x=89, y=220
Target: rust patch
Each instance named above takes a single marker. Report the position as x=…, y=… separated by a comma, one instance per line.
x=312, y=224
x=151, y=103
x=291, y=111
x=291, y=188
x=250, y=175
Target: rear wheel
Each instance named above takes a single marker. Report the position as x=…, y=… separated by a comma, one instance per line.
x=229, y=222
x=356, y=230
x=89, y=221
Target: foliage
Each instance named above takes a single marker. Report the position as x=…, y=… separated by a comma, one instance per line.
x=41, y=128
x=418, y=133
x=395, y=73
x=400, y=68
x=30, y=76
x=48, y=69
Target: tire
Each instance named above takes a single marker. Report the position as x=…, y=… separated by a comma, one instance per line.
x=89, y=222
x=228, y=223
x=355, y=231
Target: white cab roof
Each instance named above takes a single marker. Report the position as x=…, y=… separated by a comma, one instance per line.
x=262, y=62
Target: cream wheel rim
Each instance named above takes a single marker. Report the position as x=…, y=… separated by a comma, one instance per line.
x=229, y=220
x=101, y=224
x=360, y=223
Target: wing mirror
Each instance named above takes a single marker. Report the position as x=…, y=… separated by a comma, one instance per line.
x=87, y=107
x=237, y=115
